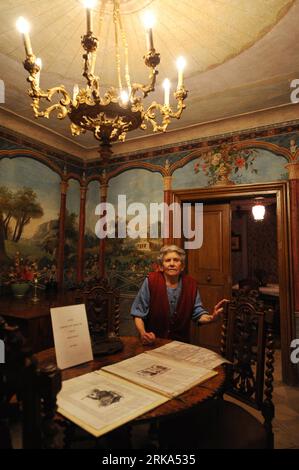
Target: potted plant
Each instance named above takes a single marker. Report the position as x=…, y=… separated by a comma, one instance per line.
x=20, y=277
x=20, y=288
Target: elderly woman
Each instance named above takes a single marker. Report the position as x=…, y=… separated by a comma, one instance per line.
x=169, y=299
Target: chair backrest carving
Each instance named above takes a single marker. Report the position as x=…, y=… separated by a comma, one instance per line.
x=103, y=314
x=102, y=308
x=247, y=341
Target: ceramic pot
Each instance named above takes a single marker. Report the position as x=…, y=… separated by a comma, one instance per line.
x=19, y=289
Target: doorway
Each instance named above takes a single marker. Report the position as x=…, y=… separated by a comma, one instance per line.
x=210, y=265
x=279, y=191
x=254, y=252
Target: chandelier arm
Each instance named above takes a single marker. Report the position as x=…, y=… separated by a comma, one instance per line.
x=95, y=81
x=152, y=59
x=150, y=115
x=62, y=110
x=37, y=94
x=145, y=89
x=90, y=45
x=166, y=112
x=87, y=73
x=180, y=95
x=77, y=130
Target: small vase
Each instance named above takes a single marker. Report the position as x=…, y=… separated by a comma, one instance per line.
x=223, y=177
x=20, y=289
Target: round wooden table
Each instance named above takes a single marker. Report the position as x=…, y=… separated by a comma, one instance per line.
x=132, y=346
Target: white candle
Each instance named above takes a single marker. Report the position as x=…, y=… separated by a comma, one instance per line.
x=149, y=21
x=89, y=20
x=124, y=97
x=166, y=86
x=24, y=28
x=89, y=5
x=27, y=43
x=75, y=91
x=39, y=63
x=181, y=64
x=149, y=40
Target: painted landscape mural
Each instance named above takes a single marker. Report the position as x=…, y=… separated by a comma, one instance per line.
x=28, y=220
x=71, y=233
x=92, y=243
x=30, y=204
x=129, y=259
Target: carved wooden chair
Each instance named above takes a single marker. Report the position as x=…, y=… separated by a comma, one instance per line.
x=247, y=341
x=102, y=309
x=35, y=389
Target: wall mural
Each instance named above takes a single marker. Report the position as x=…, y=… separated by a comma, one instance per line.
x=245, y=166
x=71, y=232
x=29, y=217
x=28, y=220
x=220, y=166
x=91, y=252
x=128, y=260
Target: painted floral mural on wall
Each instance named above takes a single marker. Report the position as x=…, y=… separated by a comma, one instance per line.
x=220, y=163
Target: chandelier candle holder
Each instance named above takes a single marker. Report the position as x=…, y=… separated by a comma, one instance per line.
x=111, y=113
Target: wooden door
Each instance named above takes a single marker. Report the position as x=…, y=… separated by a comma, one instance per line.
x=210, y=265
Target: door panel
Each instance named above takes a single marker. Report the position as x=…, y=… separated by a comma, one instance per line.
x=210, y=265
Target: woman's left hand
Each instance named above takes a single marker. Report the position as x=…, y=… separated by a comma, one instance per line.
x=218, y=309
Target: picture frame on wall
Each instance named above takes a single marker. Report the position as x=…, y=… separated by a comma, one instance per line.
x=236, y=242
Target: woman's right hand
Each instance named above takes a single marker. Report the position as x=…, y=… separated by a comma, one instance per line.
x=148, y=338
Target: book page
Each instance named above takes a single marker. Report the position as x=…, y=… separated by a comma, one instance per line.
x=160, y=374
x=100, y=402
x=194, y=355
x=71, y=335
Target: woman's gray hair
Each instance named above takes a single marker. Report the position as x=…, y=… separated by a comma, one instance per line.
x=168, y=249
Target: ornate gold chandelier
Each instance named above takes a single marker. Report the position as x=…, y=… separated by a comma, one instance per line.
x=118, y=110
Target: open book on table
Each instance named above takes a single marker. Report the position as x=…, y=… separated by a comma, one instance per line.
x=190, y=354
x=169, y=377
x=114, y=395
x=100, y=402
